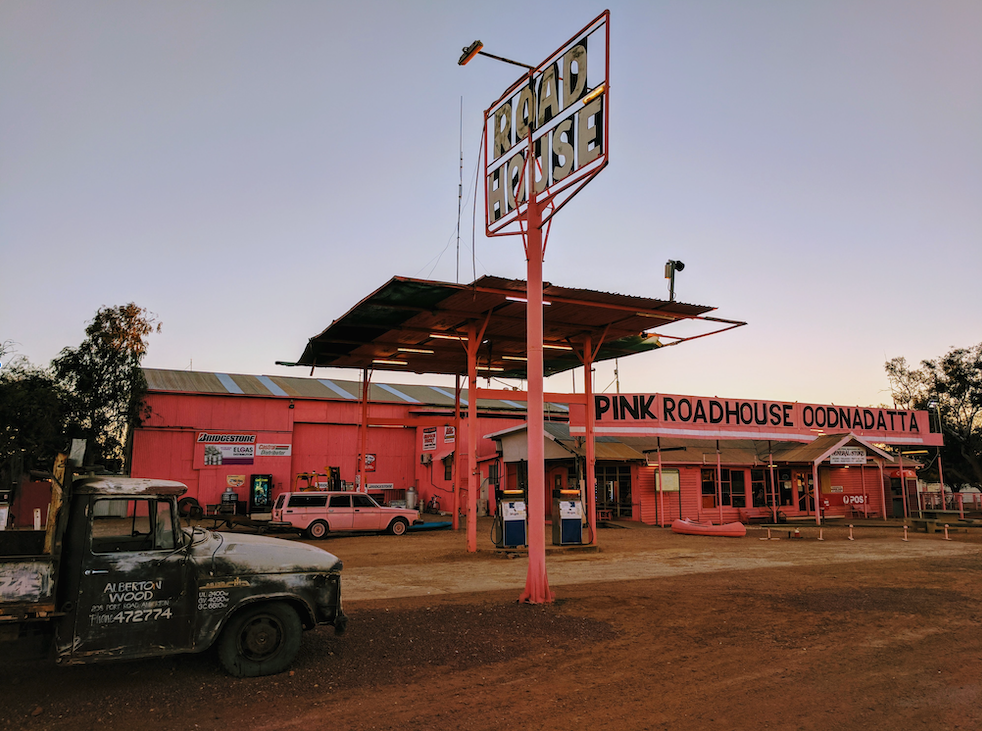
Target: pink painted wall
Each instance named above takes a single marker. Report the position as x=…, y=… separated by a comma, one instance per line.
x=319, y=433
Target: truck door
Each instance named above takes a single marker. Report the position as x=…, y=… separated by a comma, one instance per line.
x=134, y=595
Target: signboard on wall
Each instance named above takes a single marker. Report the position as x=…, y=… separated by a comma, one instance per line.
x=848, y=455
x=701, y=417
x=429, y=438
x=227, y=448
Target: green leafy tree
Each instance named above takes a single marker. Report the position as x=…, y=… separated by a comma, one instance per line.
x=108, y=387
x=951, y=387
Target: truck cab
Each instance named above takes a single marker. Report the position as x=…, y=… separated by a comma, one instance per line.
x=129, y=581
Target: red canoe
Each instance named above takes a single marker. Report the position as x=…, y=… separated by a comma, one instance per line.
x=692, y=528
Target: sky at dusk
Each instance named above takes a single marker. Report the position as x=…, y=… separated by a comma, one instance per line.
x=249, y=171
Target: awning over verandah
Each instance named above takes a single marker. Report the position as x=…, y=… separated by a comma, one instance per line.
x=426, y=326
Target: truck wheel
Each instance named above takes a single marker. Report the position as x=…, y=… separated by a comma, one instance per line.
x=188, y=507
x=317, y=530
x=398, y=527
x=260, y=640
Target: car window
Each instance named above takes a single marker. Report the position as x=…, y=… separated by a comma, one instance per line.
x=363, y=501
x=308, y=501
x=279, y=502
x=340, y=501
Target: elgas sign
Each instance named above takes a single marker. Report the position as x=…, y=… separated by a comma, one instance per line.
x=561, y=107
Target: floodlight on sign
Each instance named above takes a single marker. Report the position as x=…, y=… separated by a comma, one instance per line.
x=549, y=129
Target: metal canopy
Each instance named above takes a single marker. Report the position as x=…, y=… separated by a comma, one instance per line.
x=421, y=326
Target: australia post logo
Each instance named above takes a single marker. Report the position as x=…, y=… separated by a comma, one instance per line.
x=700, y=416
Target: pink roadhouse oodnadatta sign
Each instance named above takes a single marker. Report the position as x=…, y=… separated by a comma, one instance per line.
x=701, y=417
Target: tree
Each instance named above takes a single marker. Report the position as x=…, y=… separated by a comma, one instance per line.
x=108, y=387
x=952, y=387
x=33, y=413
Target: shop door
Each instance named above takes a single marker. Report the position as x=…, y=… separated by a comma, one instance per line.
x=896, y=507
x=804, y=486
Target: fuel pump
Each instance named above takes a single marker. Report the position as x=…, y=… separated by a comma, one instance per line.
x=567, y=517
x=513, y=514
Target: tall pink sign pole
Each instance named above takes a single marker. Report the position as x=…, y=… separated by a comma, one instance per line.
x=558, y=111
x=536, y=582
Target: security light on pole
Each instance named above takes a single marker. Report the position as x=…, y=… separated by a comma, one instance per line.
x=672, y=266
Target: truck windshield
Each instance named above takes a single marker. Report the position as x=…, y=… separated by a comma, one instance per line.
x=133, y=524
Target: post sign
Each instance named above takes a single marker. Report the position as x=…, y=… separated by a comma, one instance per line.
x=559, y=113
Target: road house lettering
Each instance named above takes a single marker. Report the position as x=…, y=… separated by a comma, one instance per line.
x=561, y=107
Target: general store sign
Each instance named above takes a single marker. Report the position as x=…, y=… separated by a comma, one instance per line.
x=561, y=107
x=848, y=455
x=701, y=417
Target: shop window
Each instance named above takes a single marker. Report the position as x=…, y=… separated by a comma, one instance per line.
x=732, y=492
x=614, y=489
x=708, y=488
x=448, y=468
x=760, y=488
x=735, y=488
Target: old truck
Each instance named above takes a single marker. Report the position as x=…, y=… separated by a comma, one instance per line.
x=115, y=575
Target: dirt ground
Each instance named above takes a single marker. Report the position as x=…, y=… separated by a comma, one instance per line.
x=653, y=631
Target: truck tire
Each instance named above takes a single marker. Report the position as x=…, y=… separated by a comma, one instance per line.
x=188, y=507
x=260, y=640
x=317, y=530
x=398, y=527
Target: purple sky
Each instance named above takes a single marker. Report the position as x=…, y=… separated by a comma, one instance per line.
x=248, y=171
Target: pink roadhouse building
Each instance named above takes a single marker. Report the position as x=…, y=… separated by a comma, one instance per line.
x=658, y=457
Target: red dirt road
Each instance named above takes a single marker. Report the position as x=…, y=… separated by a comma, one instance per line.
x=656, y=631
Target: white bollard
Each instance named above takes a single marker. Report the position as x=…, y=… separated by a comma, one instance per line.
x=850, y=533
x=905, y=533
x=946, y=532
x=821, y=533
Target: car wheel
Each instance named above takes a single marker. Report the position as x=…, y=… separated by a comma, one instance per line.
x=398, y=527
x=317, y=530
x=260, y=640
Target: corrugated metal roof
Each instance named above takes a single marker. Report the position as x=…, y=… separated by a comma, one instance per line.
x=296, y=387
x=421, y=326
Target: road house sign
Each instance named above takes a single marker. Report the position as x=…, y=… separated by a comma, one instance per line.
x=701, y=417
x=562, y=104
